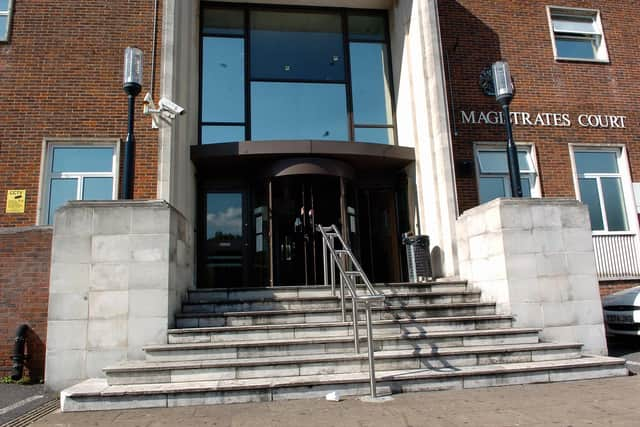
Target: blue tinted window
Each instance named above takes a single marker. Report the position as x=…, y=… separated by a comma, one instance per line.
x=3, y=27
x=614, y=204
x=222, y=79
x=97, y=189
x=589, y=196
x=374, y=135
x=491, y=188
x=61, y=191
x=575, y=48
x=75, y=159
x=4, y=5
x=217, y=134
x=596, y=162
x=296, y=46
x=370, y=83
x=298, y=111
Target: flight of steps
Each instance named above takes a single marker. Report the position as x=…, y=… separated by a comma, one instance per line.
x=262, y=344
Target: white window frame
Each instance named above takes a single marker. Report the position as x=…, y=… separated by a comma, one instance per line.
x=533, y=176
x=597, y=37
x=49, y=144
x=7, y=13
x=625, y=177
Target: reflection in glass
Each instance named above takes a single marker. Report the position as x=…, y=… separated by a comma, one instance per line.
x=61, y=191
x=218, y=134
x=4, y=5
x=370, y=84
x=296, y=46
x=575, y=48
x=366, y=28
x=97, y=189
x=222, y=79
x=596, y=162
x=614, y=204
x=589, y=196
x=374, y=135
x=221, y=21
x=574, y=24
x=224, y=216
x=298, y=111
x=491, y=188
x=76, y=159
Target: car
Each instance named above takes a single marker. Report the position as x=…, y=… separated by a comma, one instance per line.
x=622, y=312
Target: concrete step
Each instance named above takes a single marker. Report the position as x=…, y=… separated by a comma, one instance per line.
x=333, y=345
x=96, y=394
x=262, y=293
x=272, y=317
x=163, y=372
x=327, y=302
x=315, y=330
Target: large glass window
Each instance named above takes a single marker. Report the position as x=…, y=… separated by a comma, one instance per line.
x=78, y=173
x=577, y=34
x=493, y=173
x=271, y=74
x=5, y=18
x=600, y=188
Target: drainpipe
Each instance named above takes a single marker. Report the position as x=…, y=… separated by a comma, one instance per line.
x=18, y=352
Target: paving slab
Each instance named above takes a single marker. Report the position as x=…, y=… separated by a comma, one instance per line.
x=612, y=401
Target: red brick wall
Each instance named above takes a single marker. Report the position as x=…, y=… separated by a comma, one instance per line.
x=61, y=76
x=24, y=292
x=612, y=286
x=476, y=33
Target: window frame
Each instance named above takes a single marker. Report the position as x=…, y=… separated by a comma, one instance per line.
x=8, y=13
x=46, y=175
x=624, y=174
x=533, y=176
x=597, y=37
x=344, y=14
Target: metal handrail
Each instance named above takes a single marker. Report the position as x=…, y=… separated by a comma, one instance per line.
x=333, y=261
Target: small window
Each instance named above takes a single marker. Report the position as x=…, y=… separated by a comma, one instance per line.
x=78, y=172
x=493, y=173
x=600, y=187
x=577, y=35
x=5, y=19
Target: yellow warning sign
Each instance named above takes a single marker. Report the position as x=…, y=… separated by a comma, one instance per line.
x=15, y=201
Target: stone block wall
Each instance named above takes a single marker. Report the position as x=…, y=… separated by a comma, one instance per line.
x=118, y=273
x=534, y=258
x=25, y=254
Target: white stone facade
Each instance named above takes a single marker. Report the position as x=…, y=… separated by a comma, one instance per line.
x=119, y=270
x=534, y=258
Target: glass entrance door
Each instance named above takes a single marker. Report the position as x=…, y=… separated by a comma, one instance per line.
x=300, y=203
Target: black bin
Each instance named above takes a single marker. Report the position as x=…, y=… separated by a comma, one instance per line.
x=418, y=257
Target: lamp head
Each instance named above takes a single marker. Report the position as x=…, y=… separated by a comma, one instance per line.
x=502, y=82
x=132, y=81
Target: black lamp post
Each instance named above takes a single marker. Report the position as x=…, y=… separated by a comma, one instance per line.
x=132, y=85
x=503, y=85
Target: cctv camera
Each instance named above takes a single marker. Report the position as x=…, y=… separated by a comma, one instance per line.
x=170, y=106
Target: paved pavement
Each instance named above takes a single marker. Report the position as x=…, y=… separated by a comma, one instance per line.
x=17, y=399
x=613, y=402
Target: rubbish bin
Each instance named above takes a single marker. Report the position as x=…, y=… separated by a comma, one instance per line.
x=418, y=257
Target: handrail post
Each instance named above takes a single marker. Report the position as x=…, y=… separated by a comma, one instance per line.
x=354, y=319
x=333, y=268
x=372, y=368
x=344, y=317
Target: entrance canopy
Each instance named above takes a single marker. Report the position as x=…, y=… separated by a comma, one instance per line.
x=255, y=154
